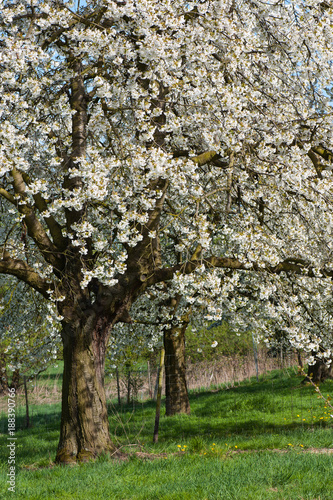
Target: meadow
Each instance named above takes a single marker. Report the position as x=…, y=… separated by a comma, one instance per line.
x=266, y=440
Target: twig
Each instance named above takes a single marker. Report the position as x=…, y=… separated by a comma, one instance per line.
x=327, y=400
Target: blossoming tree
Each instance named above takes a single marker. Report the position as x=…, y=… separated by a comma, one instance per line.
x=144, y=142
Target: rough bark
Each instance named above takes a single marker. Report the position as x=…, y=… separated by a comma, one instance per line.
x=176, y=394
x=319, y=372
x=84, y=430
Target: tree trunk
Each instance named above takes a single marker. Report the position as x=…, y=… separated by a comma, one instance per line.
x=84, y=430
x=176, y=396
x=299, y=358
x=319, y=372
x=15, y=382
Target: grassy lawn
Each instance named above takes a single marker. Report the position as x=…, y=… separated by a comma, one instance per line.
x=266, y=440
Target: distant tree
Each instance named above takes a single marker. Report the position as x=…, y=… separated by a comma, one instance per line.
x=29, y=333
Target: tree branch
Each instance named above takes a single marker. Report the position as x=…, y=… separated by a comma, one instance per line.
x=35, y=229
x=323, y=152
x=296, y=267
x=5, y=194
x=22, y=271
x=204, y=158
x=52, y=224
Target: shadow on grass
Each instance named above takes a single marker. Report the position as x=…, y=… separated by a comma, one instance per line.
x=249, y=410
x=245, y=410
x=39, y=440
x=172, y=428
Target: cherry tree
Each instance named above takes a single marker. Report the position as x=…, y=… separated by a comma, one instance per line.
x=146, y=142
x=299, y=309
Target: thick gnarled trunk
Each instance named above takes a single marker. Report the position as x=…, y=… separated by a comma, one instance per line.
x=176, y=395
x=84, y=421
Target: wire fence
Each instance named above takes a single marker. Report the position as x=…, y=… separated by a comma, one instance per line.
x=139, y=384
x=128, y=388
x=301, y=408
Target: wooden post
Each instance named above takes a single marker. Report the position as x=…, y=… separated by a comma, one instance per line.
x=159, y=396
x=129, y=387
x=299, y=358
x=255, y=354
x=156, y=384
x=27, y=420
x=150, y=392
x=118, y=386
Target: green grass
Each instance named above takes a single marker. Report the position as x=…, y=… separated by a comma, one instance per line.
x=249, y=442
x=51, y=376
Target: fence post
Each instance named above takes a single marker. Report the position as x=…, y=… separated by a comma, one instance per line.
x=255, y=354
x=150, y=392
x=27, y=420
x=118, y=386
x=129, y=380
x=159, y=396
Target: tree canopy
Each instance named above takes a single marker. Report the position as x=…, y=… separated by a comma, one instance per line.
x=153, y=142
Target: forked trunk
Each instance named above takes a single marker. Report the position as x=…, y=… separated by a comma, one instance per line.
x=176, y=395
x=84, y=430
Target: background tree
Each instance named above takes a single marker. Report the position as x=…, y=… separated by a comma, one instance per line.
x=29, y=333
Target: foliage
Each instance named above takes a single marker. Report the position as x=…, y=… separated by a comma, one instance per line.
x=216, y=341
